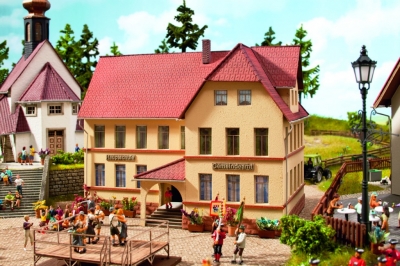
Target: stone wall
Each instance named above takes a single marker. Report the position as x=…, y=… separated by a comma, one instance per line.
x=63, y=182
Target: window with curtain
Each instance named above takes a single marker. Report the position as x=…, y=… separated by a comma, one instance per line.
x=261, y=189
x=261, y=141
x=163, y=137
x=205, y=140
x=99, y=136
x=120, y=132
x=244, y=97
x=182, y=137
x=141, y=137
x=140, y=169
x=232, y=141
x=100, y=174
x=205, y=186
x=120, y=175
x=221, y=97
x=233, y=187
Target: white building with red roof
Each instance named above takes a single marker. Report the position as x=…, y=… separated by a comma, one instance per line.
x=202, y=123
x=39, y=100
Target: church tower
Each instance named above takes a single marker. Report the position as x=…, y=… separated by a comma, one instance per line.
x=36, y=24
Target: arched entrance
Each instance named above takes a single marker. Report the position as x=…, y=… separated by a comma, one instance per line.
x=176, y=195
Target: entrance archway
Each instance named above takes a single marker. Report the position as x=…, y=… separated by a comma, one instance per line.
x=176, y=195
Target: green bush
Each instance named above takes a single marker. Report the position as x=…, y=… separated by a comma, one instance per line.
x=68, y=157
x=307, y=237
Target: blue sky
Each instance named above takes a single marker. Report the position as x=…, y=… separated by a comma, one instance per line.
x=337, y=29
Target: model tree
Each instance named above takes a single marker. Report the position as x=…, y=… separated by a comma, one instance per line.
x=114, y=50
x=269, y=37
x=79, y=56
x=3, y=56
x=187, y=35
x=162, y=48
x=310, y=75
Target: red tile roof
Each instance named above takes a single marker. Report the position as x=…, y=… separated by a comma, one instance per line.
x=173, y=171
x=384, y=98
x=19, y=68
x=164, y=85
x=11, y=123
x=48, y=85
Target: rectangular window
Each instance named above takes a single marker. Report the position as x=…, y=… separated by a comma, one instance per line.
x=120, y=175
x=100, y=174
x=140, y=169
x=205, y=186
x=232, y=141
x=233, y=187
x=55, y=109
x=221, y=98
x=205, y=140
x=261, y=141
x=75, y=108
x=261, y=189
x=141, y=137
x=99, y=136
x=120, y=132
x=163, y=137
x=245, y=97
x=31, y=110
x=182, y=137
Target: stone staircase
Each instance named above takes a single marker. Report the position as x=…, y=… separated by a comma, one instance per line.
x=174, y=216
x=30, y=190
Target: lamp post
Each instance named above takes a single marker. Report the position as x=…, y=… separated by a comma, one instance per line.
x=364, y=69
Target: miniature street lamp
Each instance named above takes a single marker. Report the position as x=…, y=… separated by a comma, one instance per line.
x=364, y=69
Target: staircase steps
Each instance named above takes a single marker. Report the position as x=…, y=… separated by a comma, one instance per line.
x=30, y=192
x=173, y=216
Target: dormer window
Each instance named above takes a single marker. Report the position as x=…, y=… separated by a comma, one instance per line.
x=244, y=97
x=30, y=110
x=221, y=97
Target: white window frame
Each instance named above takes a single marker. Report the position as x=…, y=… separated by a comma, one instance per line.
x=60, y=105
x=31, y=106
x=75, y=108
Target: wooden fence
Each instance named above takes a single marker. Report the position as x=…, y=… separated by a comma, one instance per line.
x=315, y=132
x=342, y=227
x=357, y=157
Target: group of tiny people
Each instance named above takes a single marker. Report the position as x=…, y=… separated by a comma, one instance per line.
x=218, y=235
x=11, y=200
x=86, y=227
x=27, y=156
x=373, y=203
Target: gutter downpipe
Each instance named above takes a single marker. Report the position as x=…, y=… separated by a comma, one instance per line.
x=286, y=156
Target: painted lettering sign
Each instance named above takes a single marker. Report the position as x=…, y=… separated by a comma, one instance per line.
x=233, y=166
x=120, y=157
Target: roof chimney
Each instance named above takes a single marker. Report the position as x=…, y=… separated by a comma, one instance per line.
x=206, y=51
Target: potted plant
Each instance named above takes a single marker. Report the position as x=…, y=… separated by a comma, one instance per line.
x=266, y=227
x=196, y=220
x=105, y=206
x=230, y=220
x=128, y=206
x=42, y=154
x=377, y=237
x=38, y=206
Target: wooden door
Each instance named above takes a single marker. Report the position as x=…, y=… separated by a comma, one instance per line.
x=56, y=141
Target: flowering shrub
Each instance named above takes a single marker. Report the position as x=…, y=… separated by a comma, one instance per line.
x=194, y=216
x=129, y=204
x=43, y=153
x=229, y=216
x=267, y=224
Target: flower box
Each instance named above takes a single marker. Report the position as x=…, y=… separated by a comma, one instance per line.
x=196, y=227
x=266, y=233
x=130, y=214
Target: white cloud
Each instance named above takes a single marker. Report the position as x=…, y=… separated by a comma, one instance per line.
x=104, y=45
x=14, y=19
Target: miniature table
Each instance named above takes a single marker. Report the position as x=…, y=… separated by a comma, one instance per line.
x=380, y=209
x=346, y=212
x=374, y=218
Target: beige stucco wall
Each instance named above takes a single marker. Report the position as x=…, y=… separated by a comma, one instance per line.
x=152, y=157
x=395, y=142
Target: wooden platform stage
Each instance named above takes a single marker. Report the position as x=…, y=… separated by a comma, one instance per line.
x=139, y=249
